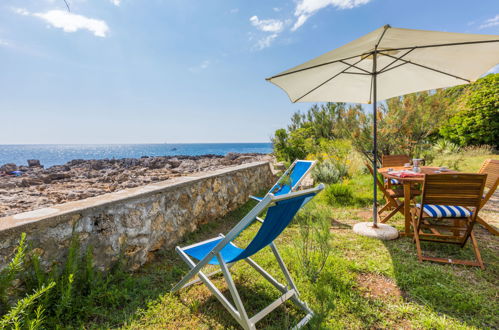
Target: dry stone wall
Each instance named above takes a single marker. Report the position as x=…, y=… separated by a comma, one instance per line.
x=134, y=222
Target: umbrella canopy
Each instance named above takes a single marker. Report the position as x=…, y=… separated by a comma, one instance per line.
x=390, y=62
x=408, y=61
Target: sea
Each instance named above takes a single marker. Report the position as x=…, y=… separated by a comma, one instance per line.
x=58, y=154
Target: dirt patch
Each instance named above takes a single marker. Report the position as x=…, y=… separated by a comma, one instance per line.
x=365, y=215
x=376, y=286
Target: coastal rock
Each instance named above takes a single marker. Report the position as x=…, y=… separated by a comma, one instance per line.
x=231, y=155
x=79, y=179
x=9, y=167
x=174, y=162
x=34, y=163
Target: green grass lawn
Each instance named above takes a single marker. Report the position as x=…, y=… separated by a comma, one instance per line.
x=366, y=283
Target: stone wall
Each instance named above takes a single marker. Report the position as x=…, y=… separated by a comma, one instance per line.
x=134, y=222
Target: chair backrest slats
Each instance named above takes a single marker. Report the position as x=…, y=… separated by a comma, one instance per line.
x=394, y=160
x=491, y=168
x=460, y=189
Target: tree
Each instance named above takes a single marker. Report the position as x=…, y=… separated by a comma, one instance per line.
x=476, y=118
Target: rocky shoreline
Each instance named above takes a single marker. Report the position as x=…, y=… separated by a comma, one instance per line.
x=26, y=188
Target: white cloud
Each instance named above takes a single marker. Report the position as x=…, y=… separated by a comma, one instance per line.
x=69, y=22
x=266, y=41
x=21, y=11
x=234, y=11
x=494, y=70
x=4, y=43
x=116, y=2
x=267, y=25
x=306, y=8
x=494, y=21
x=204, y=65
x=276, y=9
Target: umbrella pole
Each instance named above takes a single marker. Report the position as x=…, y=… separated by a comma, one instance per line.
x=375, y=147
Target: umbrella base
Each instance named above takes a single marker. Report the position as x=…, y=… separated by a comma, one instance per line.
x=383, y=232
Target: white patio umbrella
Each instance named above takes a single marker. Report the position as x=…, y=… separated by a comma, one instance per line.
x=390, y=62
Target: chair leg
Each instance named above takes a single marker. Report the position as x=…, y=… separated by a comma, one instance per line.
x=477, y=251
x=384, y=208
x=284, y=290
x=416, y=239
x=216, y=292
x=245, y=322
x=392, y=213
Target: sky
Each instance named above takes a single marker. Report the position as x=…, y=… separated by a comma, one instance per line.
x=181, y=71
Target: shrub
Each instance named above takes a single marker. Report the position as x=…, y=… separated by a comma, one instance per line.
x=71, y=293
x=476, y=119
x=339, y=195
x=329, y=172
x=314, y=244
x=22, y=314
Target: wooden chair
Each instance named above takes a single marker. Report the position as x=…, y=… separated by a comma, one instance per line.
x=491, y=168
x=448, y=210
x=393, y=204
x=394, y=160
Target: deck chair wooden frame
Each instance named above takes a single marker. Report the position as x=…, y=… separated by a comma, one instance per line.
x=456, y=189
x=491, y=168
x=393, y=204
x=288, y=291
x=296, y=179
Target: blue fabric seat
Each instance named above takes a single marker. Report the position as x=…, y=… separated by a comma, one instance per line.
x=393, y=181
x=229, y=252
x=445, y=211
x=277, y=219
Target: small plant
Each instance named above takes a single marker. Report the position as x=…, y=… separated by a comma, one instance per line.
x=11, y=272
x=20, y=315
x=445, y=147
x=16, y=317
x=329, y=172
x=339, y=195
x=314, y=244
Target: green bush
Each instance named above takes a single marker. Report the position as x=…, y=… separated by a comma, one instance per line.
x=339, y=195
x=476, y=120
x=72, y=293
x=329, y=172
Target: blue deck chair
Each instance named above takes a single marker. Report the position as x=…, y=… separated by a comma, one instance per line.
x=291, y=179
x=223, y=252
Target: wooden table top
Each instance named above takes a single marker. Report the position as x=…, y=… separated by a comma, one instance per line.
x=424, y=170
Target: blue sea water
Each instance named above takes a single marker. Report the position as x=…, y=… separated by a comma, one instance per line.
x=58, y=154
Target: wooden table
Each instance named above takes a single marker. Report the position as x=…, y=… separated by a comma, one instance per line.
x=406, y=182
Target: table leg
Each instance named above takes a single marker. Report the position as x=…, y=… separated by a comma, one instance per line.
x=407, y=208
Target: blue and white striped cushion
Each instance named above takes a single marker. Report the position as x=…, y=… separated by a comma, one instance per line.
x=445, y=211
x=393, y=181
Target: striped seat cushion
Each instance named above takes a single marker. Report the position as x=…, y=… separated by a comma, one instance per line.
x=445, y=211
x=393, y=181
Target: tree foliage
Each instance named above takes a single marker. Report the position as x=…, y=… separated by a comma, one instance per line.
x=410, y=124
x=476, y=118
